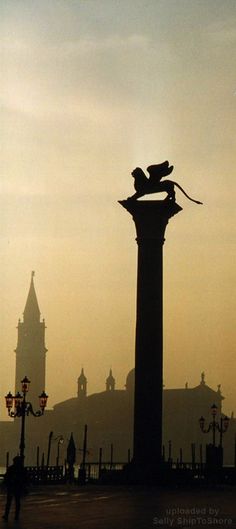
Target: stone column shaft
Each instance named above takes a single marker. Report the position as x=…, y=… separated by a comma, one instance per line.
x=151, y=219
x=148, y=353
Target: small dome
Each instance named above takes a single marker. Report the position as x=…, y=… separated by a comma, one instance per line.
x=130, y=380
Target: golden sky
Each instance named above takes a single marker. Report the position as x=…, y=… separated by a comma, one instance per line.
x=91, y=89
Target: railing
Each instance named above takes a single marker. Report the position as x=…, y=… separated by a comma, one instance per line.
x=52, y=474
x=172, y=472
x=94, y=470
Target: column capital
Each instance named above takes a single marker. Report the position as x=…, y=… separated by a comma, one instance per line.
x=151, y=217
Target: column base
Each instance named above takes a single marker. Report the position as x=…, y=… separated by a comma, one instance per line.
x=147, y=474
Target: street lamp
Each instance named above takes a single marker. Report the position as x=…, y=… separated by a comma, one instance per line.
x=21, y=408
x=214, y=425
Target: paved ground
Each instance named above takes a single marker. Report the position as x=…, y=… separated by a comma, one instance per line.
x=103, y=507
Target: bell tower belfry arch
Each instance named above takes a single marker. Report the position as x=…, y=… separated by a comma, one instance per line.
x=31, y=350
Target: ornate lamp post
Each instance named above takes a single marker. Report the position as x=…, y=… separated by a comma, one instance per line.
x=21, y=408
x=221, y=427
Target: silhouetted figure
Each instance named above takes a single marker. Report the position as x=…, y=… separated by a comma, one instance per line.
x=15, y=481
x=144, y=185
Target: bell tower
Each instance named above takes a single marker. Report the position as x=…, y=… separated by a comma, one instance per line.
x=30, y=350
x=110, y=382
x=82, y=384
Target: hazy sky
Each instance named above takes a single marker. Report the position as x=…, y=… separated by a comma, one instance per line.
x=90, y=90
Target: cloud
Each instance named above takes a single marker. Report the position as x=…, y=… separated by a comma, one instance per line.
x=74, y=79
x=70, y=48
x=109, y=44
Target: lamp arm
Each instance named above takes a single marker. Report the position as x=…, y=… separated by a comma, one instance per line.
x=13, y=414
x=29, y=410
x=17, y=413
x=207, y=430
x=220, y=428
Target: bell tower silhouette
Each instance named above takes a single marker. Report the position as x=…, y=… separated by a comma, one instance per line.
x=82, y=384
x=31, y=350
x=110, y=382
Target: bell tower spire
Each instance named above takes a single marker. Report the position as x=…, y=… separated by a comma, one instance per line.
x=31, y=349
x=31, y=311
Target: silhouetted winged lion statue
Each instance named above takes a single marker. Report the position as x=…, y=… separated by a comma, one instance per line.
x=144, y=185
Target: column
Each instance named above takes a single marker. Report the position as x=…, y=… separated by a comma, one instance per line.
x=151, y=219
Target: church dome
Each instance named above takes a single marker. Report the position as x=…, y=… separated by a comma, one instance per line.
x=130, y=381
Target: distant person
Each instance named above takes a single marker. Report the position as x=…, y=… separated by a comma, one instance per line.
x=15, y=482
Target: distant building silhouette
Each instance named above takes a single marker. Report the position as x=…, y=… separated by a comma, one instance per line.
x=31, y=349
x=108, y=414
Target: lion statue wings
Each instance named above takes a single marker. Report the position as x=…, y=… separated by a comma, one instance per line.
x=158, y=171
